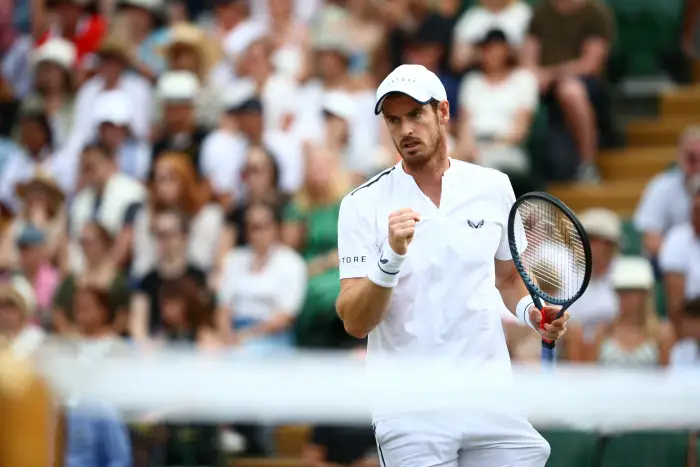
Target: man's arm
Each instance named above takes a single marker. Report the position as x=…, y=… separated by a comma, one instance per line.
x=594, y=54
x=510, y=284
x=361, y=305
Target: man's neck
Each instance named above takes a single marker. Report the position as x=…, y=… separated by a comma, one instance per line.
x=431, y=173
x=173, y=267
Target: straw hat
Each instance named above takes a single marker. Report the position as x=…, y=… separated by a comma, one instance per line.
x=42, y=181
x=188, y=35
x=115, y=45
x=18, y=291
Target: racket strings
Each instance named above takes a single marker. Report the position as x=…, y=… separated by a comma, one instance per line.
x=555, y=256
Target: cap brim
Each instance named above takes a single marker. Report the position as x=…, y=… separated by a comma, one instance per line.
x=422, y=100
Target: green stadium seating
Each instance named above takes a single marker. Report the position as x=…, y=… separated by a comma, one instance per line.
x=571, y=448
x=660, y=299
x=647, y=449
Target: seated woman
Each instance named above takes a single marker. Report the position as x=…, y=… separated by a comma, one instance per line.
x=100, y=272
x=497, y=105
x=262, y=286
x=175, y=185
x=686, y=352
x=311, y=227
x=636, y=338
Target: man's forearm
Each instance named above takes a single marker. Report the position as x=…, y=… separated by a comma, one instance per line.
x=362, y=307
x=512, y=290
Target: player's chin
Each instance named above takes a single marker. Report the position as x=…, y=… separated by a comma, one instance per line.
x=415, y=155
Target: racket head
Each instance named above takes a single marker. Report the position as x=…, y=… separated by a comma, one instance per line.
x=540, y=225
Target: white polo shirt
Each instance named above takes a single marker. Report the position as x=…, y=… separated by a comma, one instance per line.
x=445, y=304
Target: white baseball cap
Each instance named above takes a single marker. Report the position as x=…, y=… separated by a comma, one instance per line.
x=415, y=81
x=56, y=50
x=339, y=104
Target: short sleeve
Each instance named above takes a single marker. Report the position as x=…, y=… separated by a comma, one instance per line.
x=357, y=247
x=534, y=29
x=673, y=256
x=507, y=201
x=463, y=30
x=292, y=281
x=649, y=215
x=601, y=25
x=224, y=293
x=465, y=90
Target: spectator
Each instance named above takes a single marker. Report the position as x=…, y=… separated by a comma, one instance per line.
x=170, y=228
x=497, y=105
x=242, y=126
x=679, y=259
x=41, y=206
x=290, y=39
x=510, y=16
x=277, y=91
x=175, y=186
x=109, y=197
x=341, y=446
x=666, y=201
x=143, y=20
x=35, y=265
x=54, y=86
x=74, y=20
x=567, y=45
x=311, y=227
x=686, y=351
x=17, y=303
x=599, y=305
x=189, y=49
x=100, y=272
x=94, y=318
x=262, y=286
x=188, y=316
x=112, y=73
x=177, y=91
x=114, y=118
x=635, y=339
x=364, y=33
x=37, y=155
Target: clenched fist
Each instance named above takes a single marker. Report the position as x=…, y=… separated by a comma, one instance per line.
x=402, y=226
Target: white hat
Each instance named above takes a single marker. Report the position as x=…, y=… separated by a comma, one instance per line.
x=632, y=272
x=177, y=86
x=602, y=223
x=339, y=104
x=56, y=50
x=415, y=81
x=239, y=92
x=150, y=5
x=113, y=107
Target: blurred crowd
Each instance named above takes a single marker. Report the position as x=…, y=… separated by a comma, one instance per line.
x=171, y=172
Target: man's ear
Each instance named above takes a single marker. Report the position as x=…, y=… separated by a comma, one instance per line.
x=444, y=112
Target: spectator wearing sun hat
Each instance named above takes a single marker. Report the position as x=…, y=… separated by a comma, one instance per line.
x=17, y=306
x=599, y=304
x=54, y=81
x=177, y=93
x=41, y=205
x=113, y=116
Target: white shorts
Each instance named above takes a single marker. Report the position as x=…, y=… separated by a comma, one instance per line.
x=453, y=439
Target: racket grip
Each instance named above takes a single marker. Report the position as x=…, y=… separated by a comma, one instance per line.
x=549, y=352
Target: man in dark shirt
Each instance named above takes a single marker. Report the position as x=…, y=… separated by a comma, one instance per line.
x=170, y=230
x=567, y=46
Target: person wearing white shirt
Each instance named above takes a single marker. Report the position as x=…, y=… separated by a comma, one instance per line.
x=224, y=150
x=112, y=74
x=685, y=354
x=679, y=260
x=262, y=287
x=497, y=105
x=667, y=198
x=510, y=16
x=37, y=155
x=109, y=197
x=599, y=304
x=114, y=120
x=422, y=281
x=17, y=305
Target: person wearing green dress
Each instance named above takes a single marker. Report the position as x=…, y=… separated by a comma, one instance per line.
x=311, y=227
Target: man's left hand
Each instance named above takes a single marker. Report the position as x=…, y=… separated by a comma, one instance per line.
x=553, y=328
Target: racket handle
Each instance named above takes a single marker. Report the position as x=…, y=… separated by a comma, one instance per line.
x=549, y=352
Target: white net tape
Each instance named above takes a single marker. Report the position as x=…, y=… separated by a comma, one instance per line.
x=180, y=385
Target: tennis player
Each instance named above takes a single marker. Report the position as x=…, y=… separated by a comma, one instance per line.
x=425, y=267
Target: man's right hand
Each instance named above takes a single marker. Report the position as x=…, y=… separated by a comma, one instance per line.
x=402, y=226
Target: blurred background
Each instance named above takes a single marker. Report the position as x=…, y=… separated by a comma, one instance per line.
x=171, y=173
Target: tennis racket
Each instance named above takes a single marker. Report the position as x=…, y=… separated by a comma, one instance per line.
x=551, y=252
